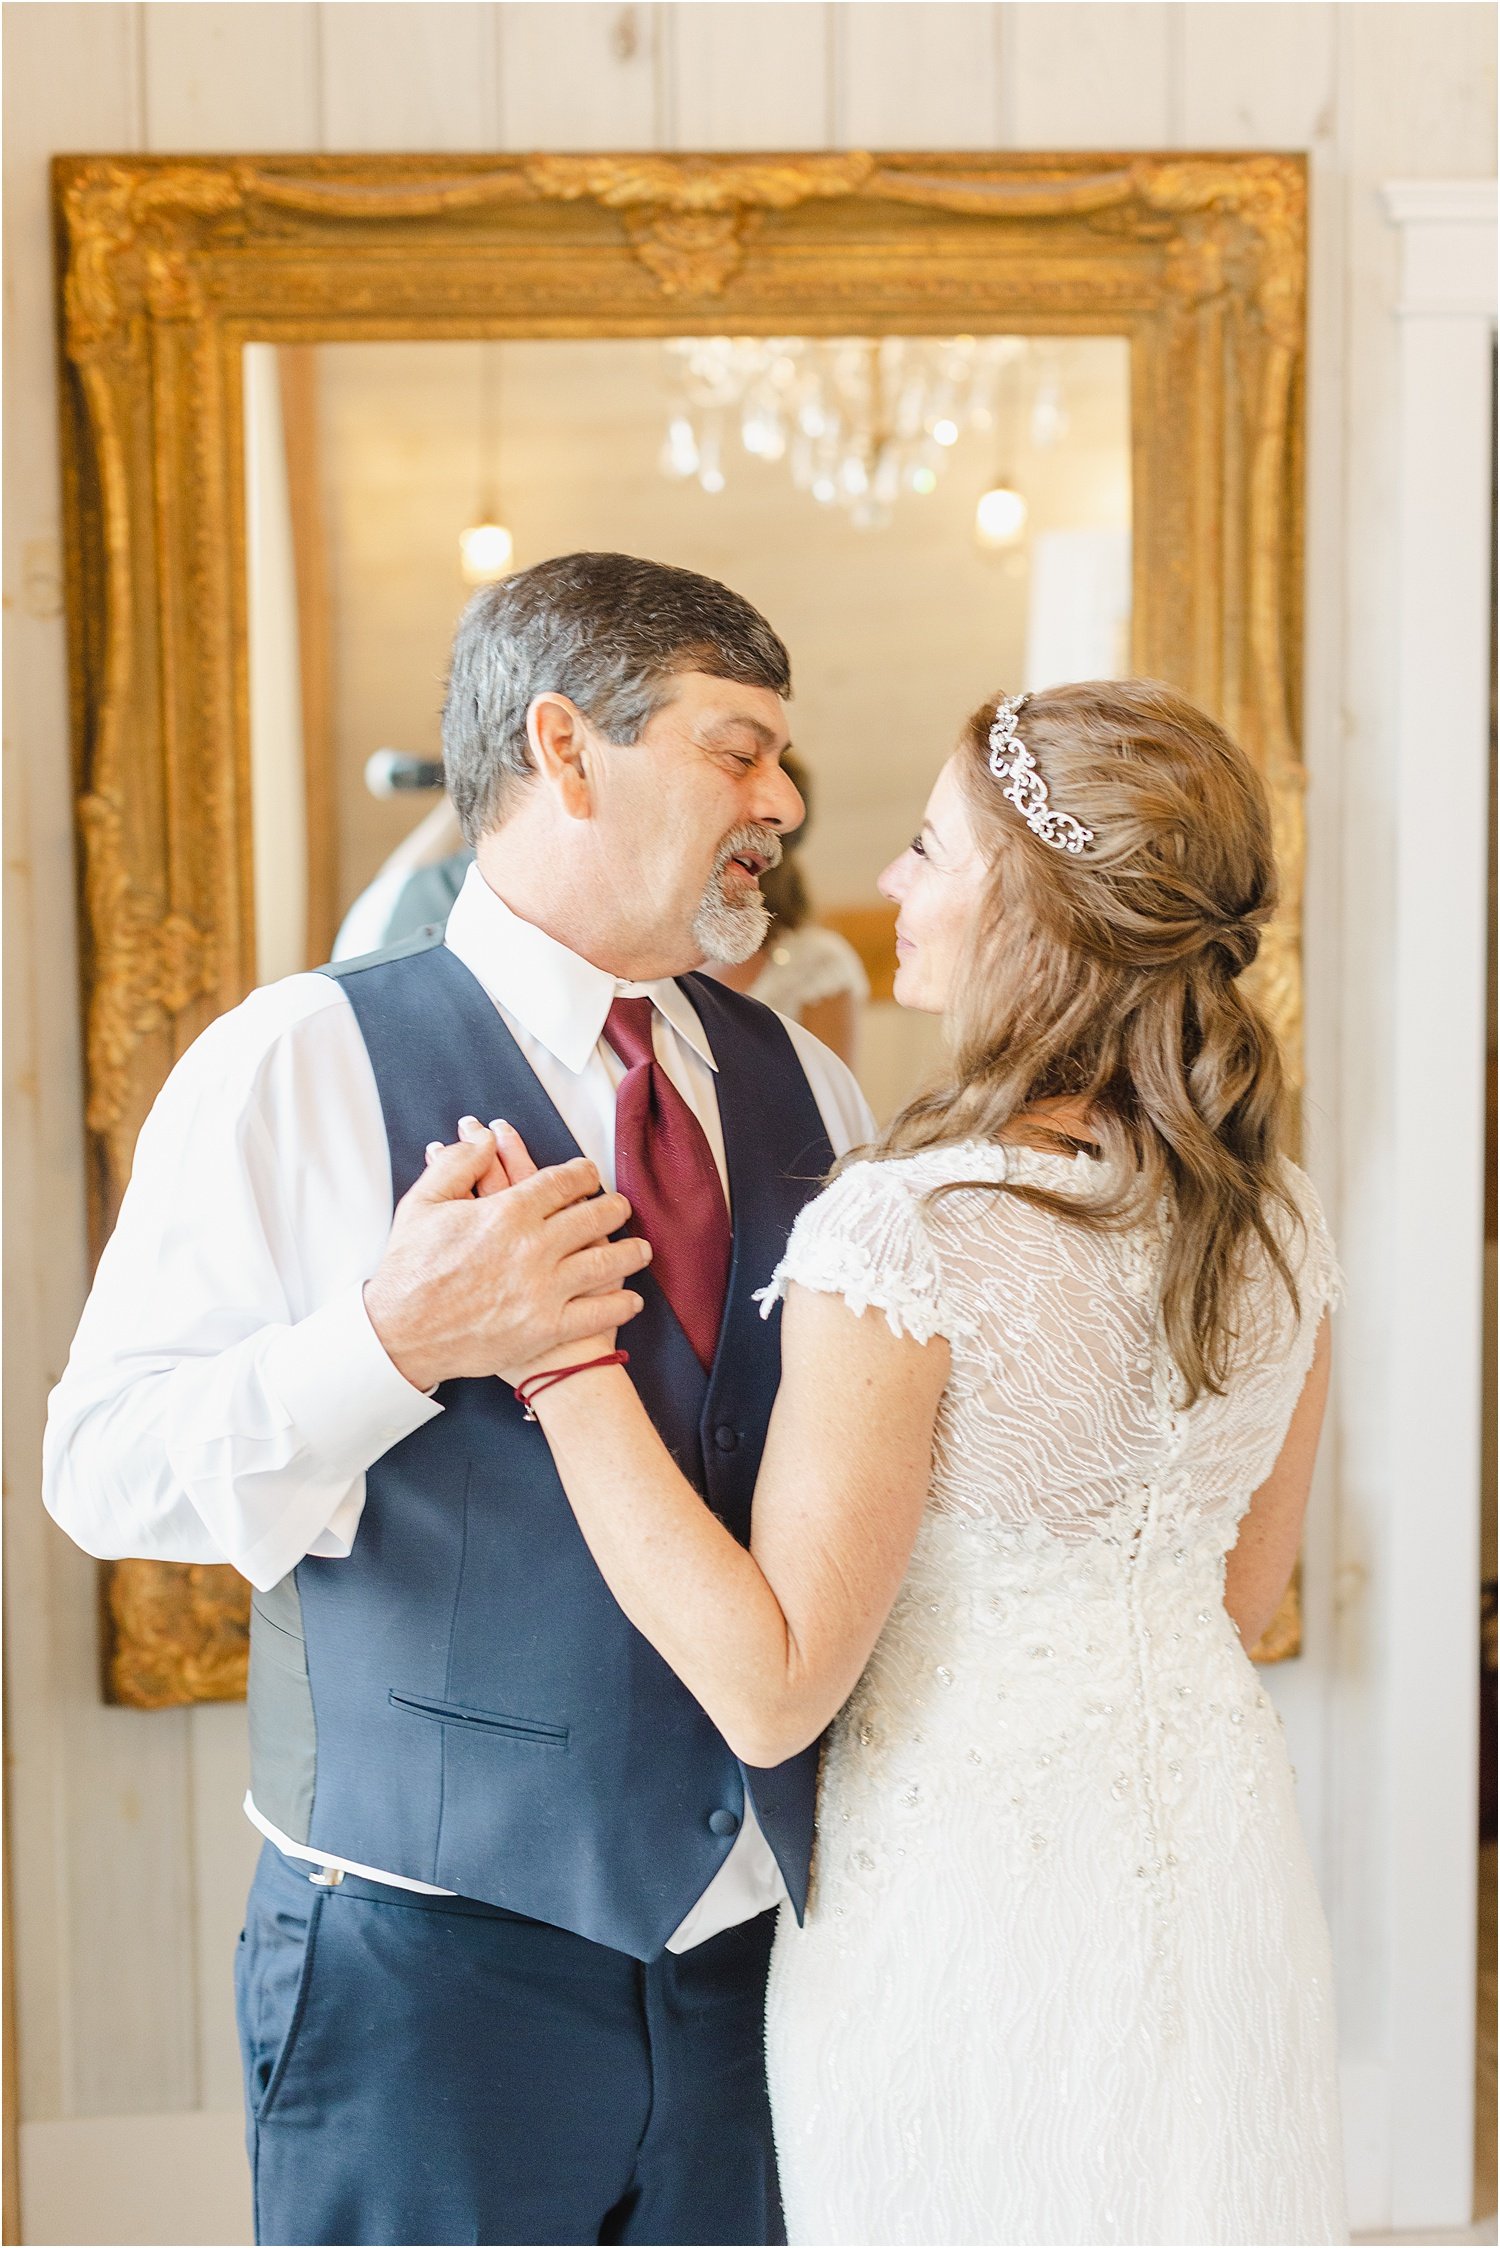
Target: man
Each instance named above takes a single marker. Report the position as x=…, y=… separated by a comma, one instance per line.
x=504, y=1961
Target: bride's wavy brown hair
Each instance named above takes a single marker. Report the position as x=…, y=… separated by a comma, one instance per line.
x=1112, y=979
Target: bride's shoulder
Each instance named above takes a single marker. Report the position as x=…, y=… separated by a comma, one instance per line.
x=861, y=1190
x=931, y=1180
x=900, y=1232
x=897, y=1210
x=1302, y=1229
x=867, y=1237
x=1301, y=1190
x=903, y=1182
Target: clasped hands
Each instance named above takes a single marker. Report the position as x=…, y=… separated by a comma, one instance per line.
x=495, y=1267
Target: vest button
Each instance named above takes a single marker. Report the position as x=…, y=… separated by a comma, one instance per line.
x=726, y=1438
x=723, y=1822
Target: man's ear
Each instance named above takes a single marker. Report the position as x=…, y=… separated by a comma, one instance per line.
x=561, y=753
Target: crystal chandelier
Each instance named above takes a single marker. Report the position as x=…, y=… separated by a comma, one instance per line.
x=858, y=420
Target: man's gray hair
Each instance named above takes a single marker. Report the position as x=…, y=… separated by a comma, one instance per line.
x=608, y=631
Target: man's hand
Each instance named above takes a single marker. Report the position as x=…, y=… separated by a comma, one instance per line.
x=475, y=1280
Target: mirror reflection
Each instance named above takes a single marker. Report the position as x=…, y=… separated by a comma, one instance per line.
x=924, y=520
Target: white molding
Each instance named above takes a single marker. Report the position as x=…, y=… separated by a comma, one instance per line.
x=1430, y=1596
x=1442, y=202
x=1447, y=247
x=1365, y=2089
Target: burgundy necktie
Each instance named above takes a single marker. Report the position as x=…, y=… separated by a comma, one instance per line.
x=665, y=1168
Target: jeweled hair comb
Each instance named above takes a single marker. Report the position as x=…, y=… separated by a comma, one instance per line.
x=1012, y=762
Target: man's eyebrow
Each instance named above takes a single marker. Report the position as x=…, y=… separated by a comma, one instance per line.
x=742, y=722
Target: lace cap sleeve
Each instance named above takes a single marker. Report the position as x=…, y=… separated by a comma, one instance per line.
x=865, y=1238
x=1319, y=1279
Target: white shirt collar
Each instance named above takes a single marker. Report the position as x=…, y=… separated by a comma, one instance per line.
x=556, y=995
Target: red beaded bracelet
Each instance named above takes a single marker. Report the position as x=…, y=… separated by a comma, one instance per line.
x=534, y=1384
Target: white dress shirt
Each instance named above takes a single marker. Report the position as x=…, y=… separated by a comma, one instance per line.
x=226, y=1392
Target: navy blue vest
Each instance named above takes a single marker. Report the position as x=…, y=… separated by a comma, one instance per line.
x=461, y=1701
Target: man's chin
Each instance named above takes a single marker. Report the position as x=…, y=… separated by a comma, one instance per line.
x=730, y=935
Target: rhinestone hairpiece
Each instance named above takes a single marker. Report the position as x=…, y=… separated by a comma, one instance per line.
x=1012, y=761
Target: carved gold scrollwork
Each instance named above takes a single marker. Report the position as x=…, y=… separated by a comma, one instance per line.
x=127, y=248
x=1194, y=267
x=101, y=227
x=689, y=253
x=409, y=195
x=685, y=217
x=1061, y=192
x=698, y=183
x=1269, y=197
x=179, y=1633
x=172, y=287
x=147, y=967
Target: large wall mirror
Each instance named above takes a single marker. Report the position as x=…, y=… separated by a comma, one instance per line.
x=953, y=423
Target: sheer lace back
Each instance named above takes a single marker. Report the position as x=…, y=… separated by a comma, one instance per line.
x=1062, y=1409
x=1064, y=1974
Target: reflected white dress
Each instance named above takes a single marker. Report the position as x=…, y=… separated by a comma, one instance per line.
x=1065, y=1975
x=807, y=966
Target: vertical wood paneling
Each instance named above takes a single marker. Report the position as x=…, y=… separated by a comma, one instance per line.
x=131, y=1885
x=1085, y=76
x=408, y=74
x=10, y=2111
x=748, y=74
x=225, y=1848
x=71, y=81
x=232, y=75
x=920, y=76
x=1421, y=89
x=581, y=76
x=157, y=2179
x=1369, y=122
x=1258, y=75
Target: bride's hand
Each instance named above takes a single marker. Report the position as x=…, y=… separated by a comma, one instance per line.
x=496, y=1178
x=510, y=1163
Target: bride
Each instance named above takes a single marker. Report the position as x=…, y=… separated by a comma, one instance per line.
x=1055, y=1358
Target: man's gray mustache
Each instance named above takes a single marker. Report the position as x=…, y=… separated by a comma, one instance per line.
x=763, y=841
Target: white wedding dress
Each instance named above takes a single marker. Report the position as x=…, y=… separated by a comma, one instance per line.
x=1064, y=1975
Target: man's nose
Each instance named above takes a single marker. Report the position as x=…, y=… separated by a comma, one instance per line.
x=778, y=803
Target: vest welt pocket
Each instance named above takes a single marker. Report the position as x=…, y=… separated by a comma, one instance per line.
x=481, y=1720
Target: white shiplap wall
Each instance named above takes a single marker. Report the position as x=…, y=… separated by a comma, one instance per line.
x=129, y=1855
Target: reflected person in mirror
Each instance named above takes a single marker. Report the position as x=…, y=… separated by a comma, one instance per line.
x=1055, y=1361
x=503, y=1968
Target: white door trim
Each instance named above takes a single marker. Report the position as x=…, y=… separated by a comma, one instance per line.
x=1446, y=316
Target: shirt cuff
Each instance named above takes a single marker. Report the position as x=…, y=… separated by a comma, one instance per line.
x=340, y=1390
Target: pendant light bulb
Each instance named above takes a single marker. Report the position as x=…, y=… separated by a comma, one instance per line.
x=484, y=551
x=1000, y=516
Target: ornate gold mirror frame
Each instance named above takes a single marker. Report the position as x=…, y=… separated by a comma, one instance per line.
x=169, y=266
